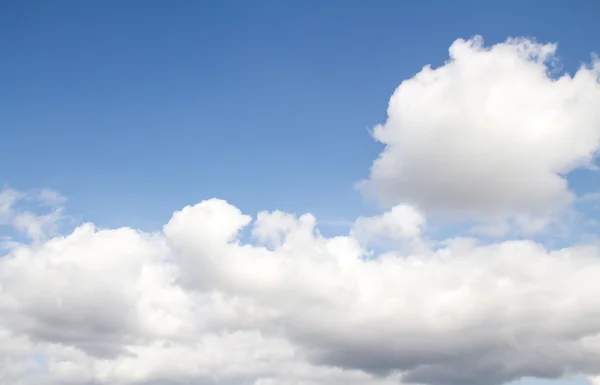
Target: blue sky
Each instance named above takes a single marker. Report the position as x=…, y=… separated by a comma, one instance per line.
x=135, y=109
x=267, y=104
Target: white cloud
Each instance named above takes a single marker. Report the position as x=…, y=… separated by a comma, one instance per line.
x=489, y=133
x=35, y=226
x=402, y=222
x=195, y=303
x=272, y=228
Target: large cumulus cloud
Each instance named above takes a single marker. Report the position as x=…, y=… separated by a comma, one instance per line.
x=218, y=296
x=491, y=132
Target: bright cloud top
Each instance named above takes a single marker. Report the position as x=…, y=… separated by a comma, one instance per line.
x=488, y=133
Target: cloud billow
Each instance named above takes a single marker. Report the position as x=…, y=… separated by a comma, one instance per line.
x=490, y=132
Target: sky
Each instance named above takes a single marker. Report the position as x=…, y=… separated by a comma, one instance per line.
x=299, y=192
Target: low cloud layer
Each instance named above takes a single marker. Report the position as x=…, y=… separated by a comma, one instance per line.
x=193, y=303
x=198, y=303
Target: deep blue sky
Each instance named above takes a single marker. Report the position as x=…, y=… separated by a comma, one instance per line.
x=133, y=109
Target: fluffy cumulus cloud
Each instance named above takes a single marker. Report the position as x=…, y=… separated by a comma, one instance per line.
x=492, y=132
x=218, y=296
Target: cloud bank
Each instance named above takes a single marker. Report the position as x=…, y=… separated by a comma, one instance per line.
x=197, y=303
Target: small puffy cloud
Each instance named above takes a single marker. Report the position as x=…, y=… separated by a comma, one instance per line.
x=491, y=132
x=34, y=225
x=212, y=221
x=402, y=222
